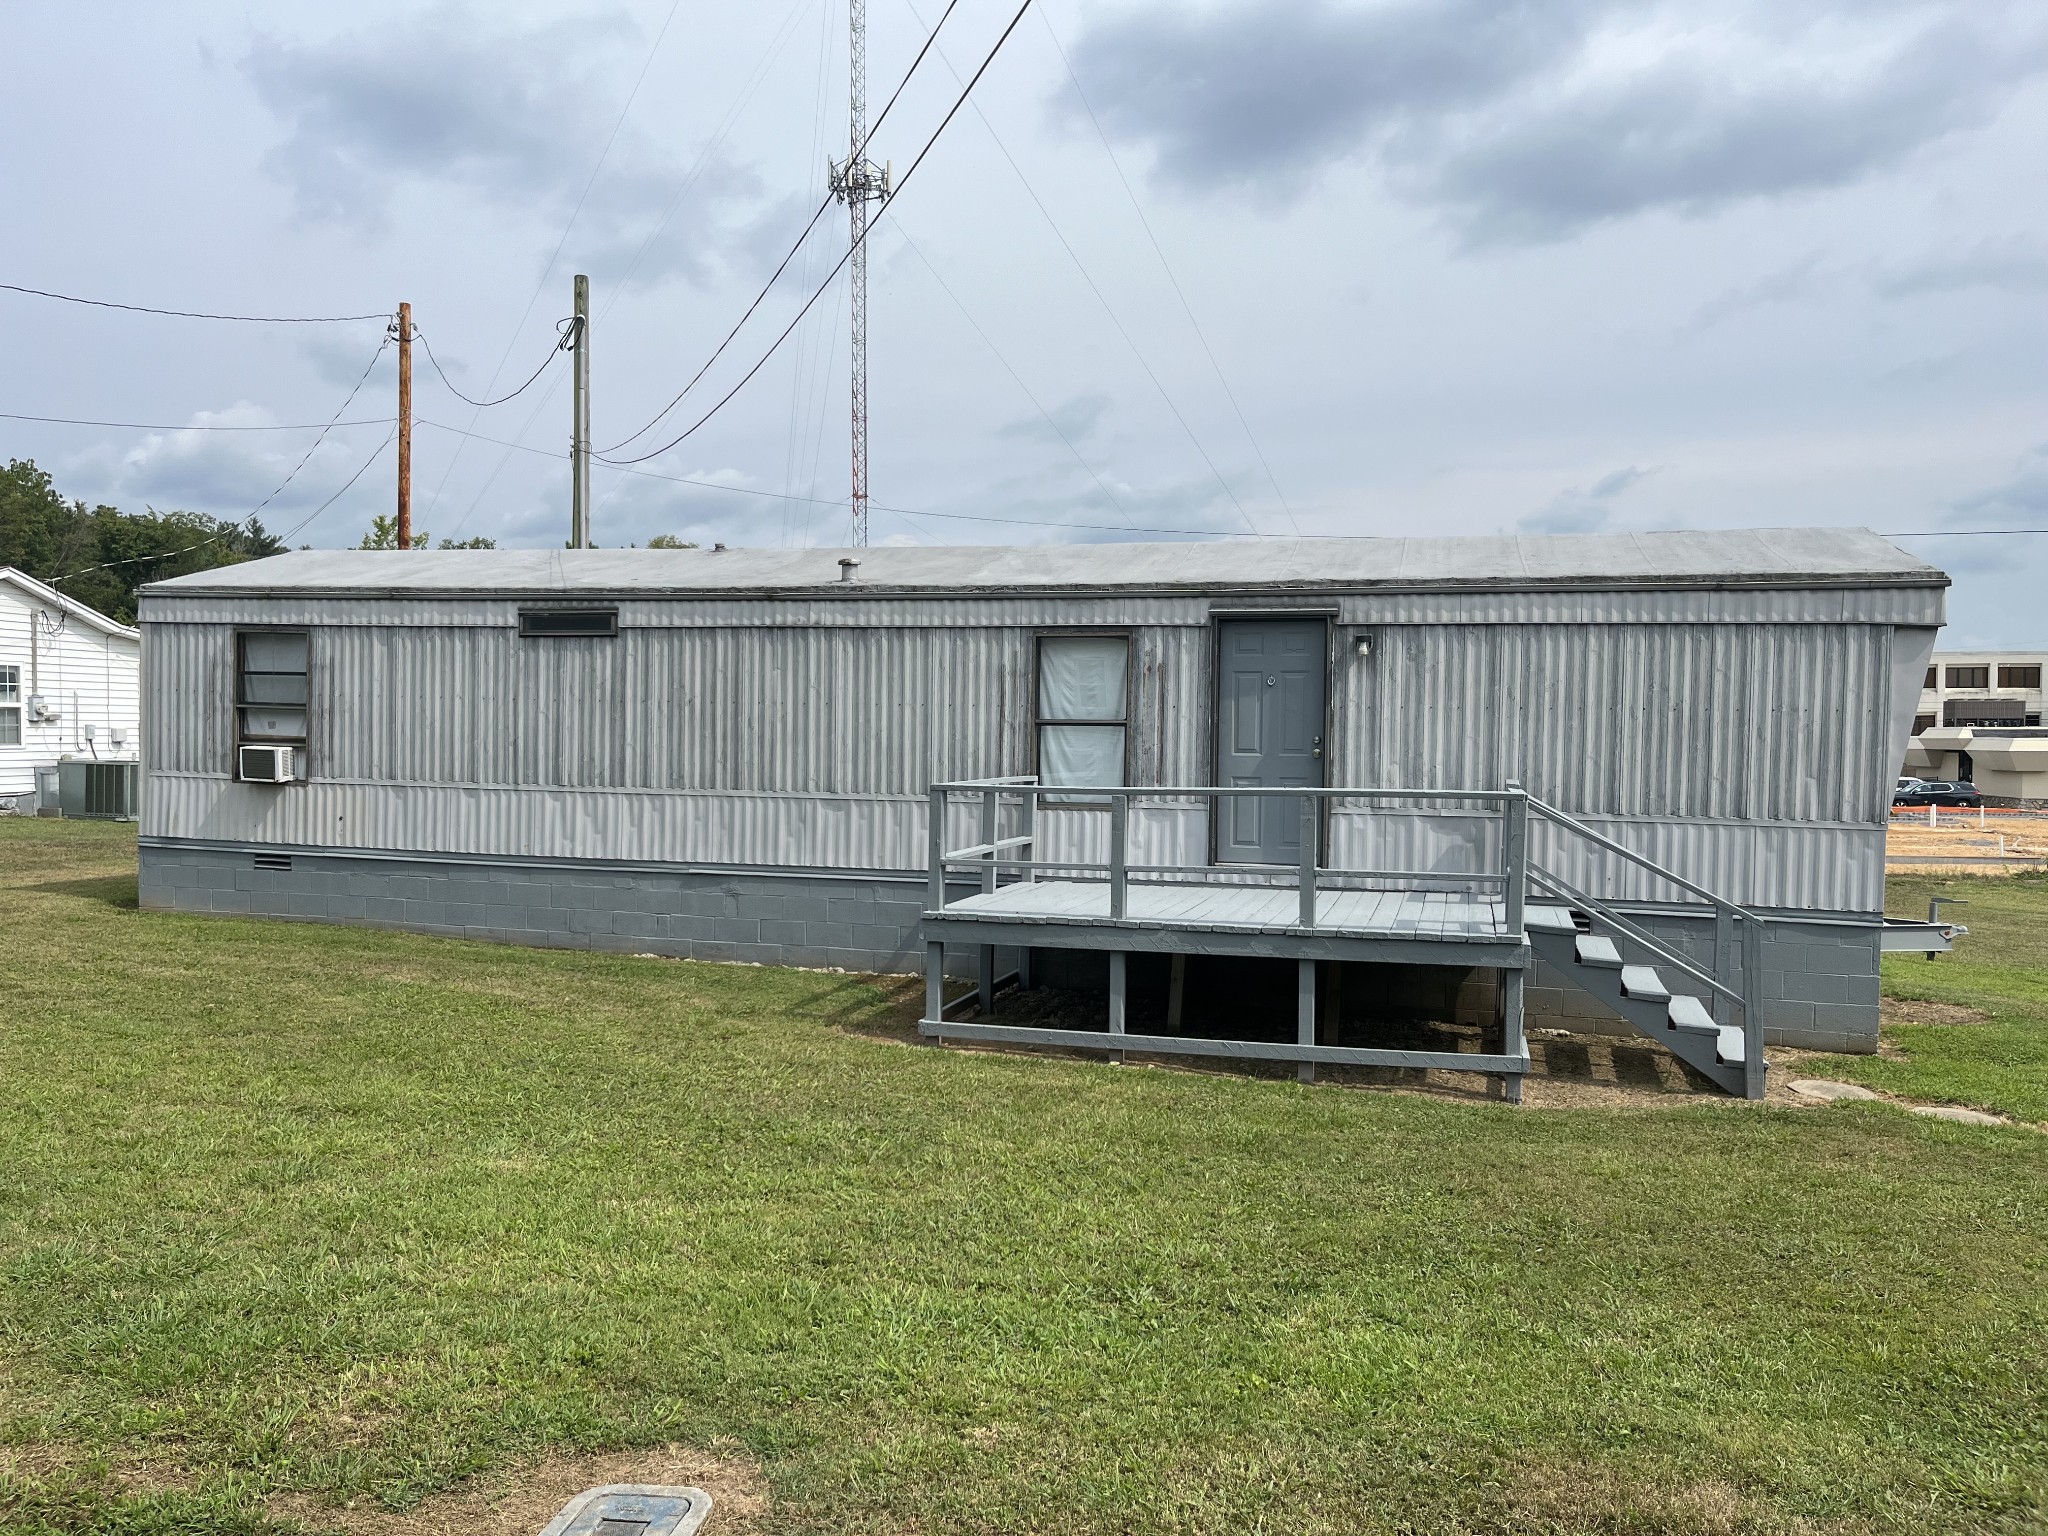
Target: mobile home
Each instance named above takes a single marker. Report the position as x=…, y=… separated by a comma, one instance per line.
x=1643, y=777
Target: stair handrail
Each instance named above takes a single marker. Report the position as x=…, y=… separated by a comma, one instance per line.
x=1749, y=998
x=1642, y=936
x=1642, y=861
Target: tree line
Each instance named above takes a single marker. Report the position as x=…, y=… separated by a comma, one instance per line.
x=100, y=555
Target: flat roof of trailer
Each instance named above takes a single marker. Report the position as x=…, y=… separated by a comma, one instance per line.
x=1774, y=557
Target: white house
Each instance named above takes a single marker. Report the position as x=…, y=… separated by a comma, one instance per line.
x=70, y=683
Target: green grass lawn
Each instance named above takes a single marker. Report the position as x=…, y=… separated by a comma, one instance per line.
x=2001, y=969
x=302, y=1209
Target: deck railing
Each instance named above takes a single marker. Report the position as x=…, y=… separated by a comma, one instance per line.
x=995, y=855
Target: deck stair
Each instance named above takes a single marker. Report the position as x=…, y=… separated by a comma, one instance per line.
x=1569, y=940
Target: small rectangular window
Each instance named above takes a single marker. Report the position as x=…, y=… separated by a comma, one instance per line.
x=550, y=623
x=2019, y=677
x=1083, y=697
x=1969, y=677
x=1922, y=723
x=10, y=706
x=1932, y=680
x=272, y=691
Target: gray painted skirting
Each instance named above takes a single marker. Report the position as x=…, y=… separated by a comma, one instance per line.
x=1821, y=974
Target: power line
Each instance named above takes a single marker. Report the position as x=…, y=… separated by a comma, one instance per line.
x=1060, y=431
x=548, y=270
x=1167, y=267
x=1960, y=533
x=897, y=191
x=783, y=265
x=383, y=342
x=1100, y=298
x=732, y=116
x=151, y=426
x=555, y=351
x=821, y=501
x=194, y=314
x=307, y=521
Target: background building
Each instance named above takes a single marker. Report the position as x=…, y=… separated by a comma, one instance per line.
x=1979, y=721
x=70, y=684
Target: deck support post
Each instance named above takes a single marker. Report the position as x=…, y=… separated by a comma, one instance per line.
x=1724, y=947
x=1515, y=857
x=1515, y=1041
x=1119, y=854
x=1176, y=994
x=1753, y=1007
x=1119, y=989
x=1310, y=827
x=1305, y=1011
x=935, y=896
x=988, y=838
x=985, y=978
x=935, y=983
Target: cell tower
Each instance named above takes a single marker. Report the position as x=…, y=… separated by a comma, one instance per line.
x=856, y=183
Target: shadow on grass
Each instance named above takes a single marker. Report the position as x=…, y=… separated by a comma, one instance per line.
x=883, y=1007
x=110, y=890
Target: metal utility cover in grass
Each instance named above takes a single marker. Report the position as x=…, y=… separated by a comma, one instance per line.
x=632, y=1509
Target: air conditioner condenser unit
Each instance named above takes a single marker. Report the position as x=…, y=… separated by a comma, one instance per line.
x=267, y=765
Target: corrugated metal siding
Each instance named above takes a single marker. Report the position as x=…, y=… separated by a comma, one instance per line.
x=1822, y=868
x=815, y=746
x=1770, y=722
x=188, y=697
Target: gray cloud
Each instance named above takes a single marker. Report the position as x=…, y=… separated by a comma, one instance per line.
x=2023, y=495
x=516, y=118
x=226, y=474
x=1583, y=510
x=1531, y=122
x=2008, y=265
x=2011, y=265
x=1074, y=420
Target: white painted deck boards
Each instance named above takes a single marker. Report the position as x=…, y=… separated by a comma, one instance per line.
x=1447, y=915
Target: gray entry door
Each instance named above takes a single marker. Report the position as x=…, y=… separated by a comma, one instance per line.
x=1269, y=733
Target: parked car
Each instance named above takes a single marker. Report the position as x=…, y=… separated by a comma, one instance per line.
x=1904, y=786
x=1940, y=794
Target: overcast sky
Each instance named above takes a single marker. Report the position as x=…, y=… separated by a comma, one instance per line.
x=1414, y=266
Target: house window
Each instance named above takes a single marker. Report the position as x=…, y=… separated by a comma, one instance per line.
x=270, y=691
x=1922, y=723
x=1931, y=680
x=10, y=706
x=2019, y=677
x=1969, y=677
x=1083, y=708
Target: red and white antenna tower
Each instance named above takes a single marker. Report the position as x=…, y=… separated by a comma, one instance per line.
x=856, y=183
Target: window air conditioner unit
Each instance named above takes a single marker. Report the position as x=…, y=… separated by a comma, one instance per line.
x=267, y=765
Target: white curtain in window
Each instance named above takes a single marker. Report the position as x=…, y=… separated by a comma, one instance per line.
x=1082, y=677
x=1081, y=754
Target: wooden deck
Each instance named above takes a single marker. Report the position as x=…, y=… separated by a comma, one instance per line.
x=1204, y=917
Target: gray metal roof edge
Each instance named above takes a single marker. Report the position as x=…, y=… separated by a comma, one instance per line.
x=1932, y=580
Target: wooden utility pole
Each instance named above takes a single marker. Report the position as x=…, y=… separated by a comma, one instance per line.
x=405, y=426
x=579, y=429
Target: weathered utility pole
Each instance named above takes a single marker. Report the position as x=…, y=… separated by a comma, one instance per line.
x=579, y=440
x=405, y=426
